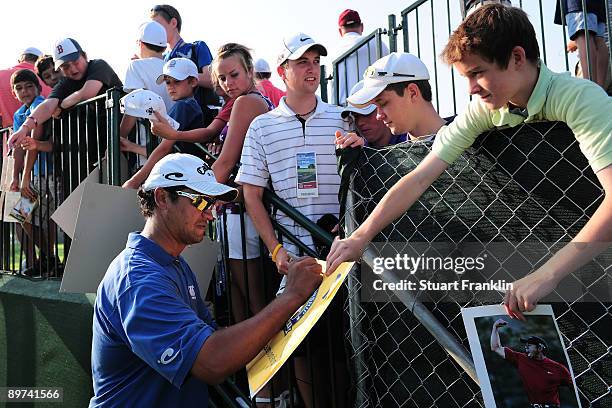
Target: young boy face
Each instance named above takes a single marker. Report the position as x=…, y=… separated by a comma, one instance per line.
x=75, y=70
x=50, y=76
x=179, y=89
x=495, y=86
x=25, y=92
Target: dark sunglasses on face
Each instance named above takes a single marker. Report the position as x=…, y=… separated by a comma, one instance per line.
x=199, y=201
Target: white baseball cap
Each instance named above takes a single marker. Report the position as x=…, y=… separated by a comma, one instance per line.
x=141, y=103
x=366, y=110
x=296, y=45
x=395, y=67
x=180, y=169
x=153, y=33
x=65, y=50
x=261, y=65
x=179, y=69
x=33, y=51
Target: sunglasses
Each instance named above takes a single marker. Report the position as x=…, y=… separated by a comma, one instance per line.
x=199, y=201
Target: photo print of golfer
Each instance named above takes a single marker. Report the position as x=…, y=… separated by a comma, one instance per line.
x=520, y=364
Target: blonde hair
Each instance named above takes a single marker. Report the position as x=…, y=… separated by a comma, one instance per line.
x=232, y=50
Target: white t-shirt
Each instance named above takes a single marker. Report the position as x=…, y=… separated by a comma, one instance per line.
x=351, y=70
x=142, y=73
x=269, y=157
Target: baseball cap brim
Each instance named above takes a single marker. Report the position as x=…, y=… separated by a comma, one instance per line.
x=366, y=110
x=176, y=76
x=217, y=190
x=66, y=58
x=364, y=97
x=303, y=49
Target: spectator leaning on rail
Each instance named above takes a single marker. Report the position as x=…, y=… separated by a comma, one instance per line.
x=83, y=79
x=351, y=70
x=181, y=78
x=45, y=69
x=154, y=342
x=8, y=103
x=197, y=51
x=263, y=73
x=496, y=49
x=298, y=133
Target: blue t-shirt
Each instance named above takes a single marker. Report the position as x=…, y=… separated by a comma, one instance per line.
x=149, y=325
x=188, y=113
x=184, y=49
x=19, y=117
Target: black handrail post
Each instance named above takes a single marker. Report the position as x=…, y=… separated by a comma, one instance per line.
x=323, y=82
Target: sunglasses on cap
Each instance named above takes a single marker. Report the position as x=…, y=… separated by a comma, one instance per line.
x=372, y=72
x=199, y=201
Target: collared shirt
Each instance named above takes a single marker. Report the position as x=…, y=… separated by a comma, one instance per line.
x=149, y=325
x=581, y=104
x=541, y=378
x=269, y=156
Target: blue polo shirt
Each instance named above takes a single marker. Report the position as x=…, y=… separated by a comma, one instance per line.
x=149, y=325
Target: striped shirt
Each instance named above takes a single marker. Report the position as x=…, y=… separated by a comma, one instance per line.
x=269, y=159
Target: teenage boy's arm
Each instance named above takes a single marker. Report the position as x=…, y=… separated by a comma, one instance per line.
x=397, y=200
x=39, y=115
x=88, y=91
x=592, y=239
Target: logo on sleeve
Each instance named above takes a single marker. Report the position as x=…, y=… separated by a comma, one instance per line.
x=168, y=356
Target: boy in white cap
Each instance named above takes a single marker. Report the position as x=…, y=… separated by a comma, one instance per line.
x=83, y=79
x=263, y=83
x=142, y=73
x=181, y=78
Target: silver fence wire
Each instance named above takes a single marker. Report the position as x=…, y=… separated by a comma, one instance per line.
x=527, y=190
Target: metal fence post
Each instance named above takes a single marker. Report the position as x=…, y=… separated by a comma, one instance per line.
x=112, y=134
x=323, y=82
x=392, y=32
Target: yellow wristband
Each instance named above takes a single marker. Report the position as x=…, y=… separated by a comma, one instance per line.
x=275, y=252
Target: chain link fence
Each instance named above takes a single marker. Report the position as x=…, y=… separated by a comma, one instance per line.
x=527, y=189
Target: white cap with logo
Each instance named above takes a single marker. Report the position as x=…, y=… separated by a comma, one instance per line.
x=391, y=69
x=141, y=103
x=296, y=45
x=365, y=110
x=179, y=69
x=180, y=169
x=66, y=50
x=153, y=33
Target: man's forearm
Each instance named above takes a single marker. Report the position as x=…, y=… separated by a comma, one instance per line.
x=230, y=349
x=495, y=341
x=261, y=219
